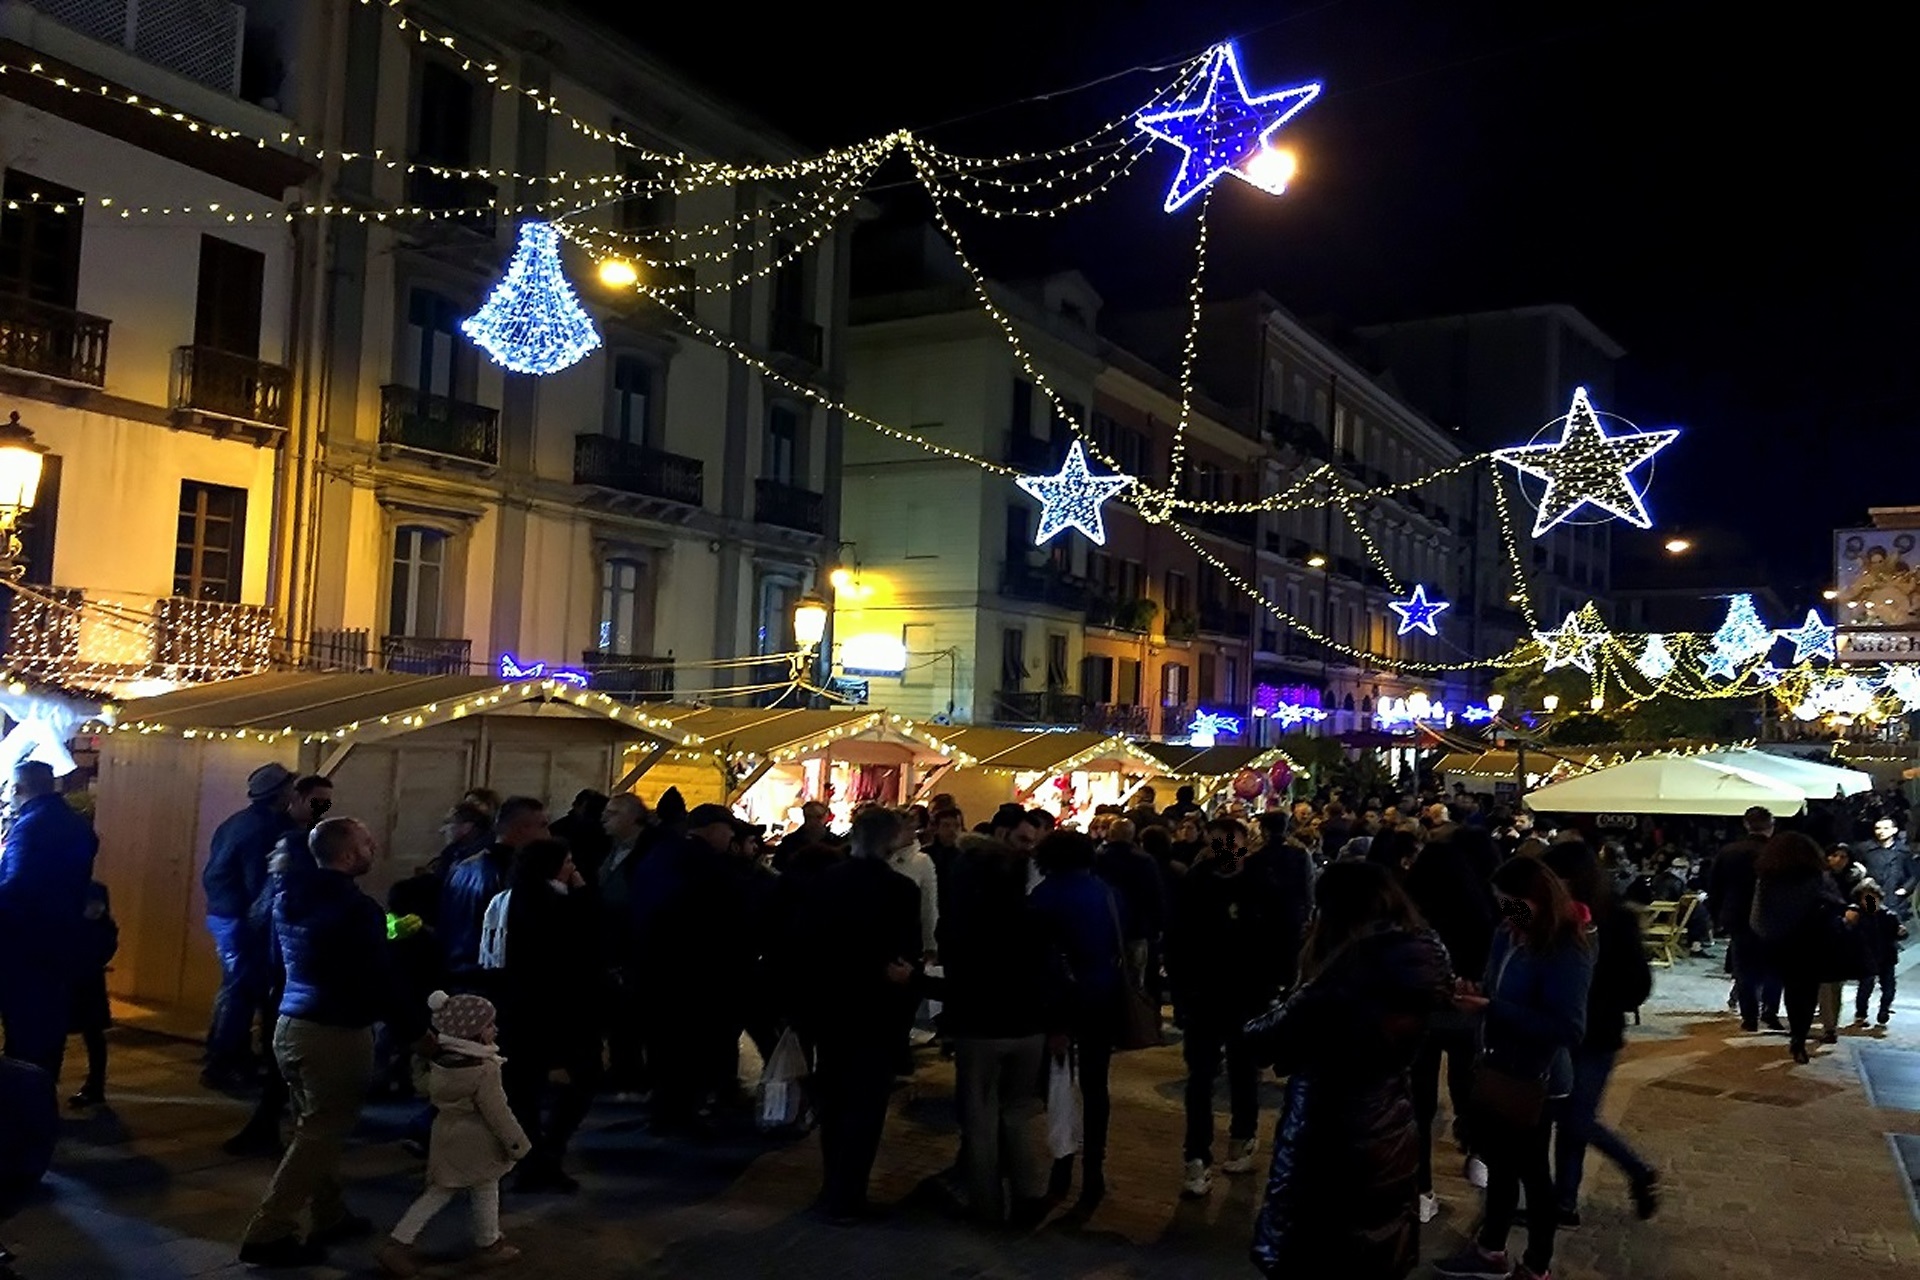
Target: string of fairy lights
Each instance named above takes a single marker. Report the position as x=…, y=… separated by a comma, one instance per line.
x=1584, y=464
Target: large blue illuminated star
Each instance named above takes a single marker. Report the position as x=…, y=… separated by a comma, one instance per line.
x=1811, y=639
x=1718, y=664
x=1071, y=499
x=1418, y=611
x=1588, y=465
x=1228, y=131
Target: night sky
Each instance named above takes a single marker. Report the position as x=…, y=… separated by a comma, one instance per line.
x=1713, y=187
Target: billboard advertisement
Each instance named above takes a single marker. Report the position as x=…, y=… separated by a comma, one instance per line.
x=1877, y=594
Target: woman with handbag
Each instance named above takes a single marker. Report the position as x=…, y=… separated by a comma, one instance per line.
x=1798, y=928
x=1344, y=1180
x=1533, y=1008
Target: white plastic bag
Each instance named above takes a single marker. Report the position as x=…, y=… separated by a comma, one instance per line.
x=780, y=1096
x=493, y=931
x=1063, y=1111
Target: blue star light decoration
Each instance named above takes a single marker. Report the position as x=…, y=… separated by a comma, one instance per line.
x=1418, y=612
x=1207, y=727
x=533, y=322
x=1570, y=644
x=1071, y=499
x=1229, y=131
x=1811, y=639
x=1588, y=466
x=1719, y=665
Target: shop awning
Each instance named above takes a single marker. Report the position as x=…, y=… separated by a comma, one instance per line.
x=779, y=734
x=1812, y=779
x=1668, y=785
x=361, y=706
x=1180, y=761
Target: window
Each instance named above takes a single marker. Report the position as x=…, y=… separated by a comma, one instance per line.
x=1131, y=574
x=1209, y=676
x=789, y=281
x=1013, y=658
x=1019, y=534
x=40, y=240
x=1022, y=423
x=780, y=457
x=774, y=628
x=1173, y=685
x=1178, y=599
x=644, y=207
x=632, y=417
x=438, y=356
x=226, y=311
x=1232, y=691
x=212, y=534
x=444, y=125
x=621, y=607
x=419, y=567
x=1056, y=662
x=1096, y=678
x=1128, y=694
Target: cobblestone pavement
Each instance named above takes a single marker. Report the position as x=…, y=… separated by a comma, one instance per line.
x=1771, y=1170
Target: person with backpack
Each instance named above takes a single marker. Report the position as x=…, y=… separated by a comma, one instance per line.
x=1622, y=981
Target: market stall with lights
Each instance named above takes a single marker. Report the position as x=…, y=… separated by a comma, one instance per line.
x=767, y=761
x=1066, y=772
x=1253, y=776
x=400, y=749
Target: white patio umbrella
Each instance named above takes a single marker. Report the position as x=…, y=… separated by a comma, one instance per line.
x=1668, y=784
x=1813, y=780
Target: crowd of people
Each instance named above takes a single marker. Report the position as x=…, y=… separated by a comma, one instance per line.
x=1365, y=950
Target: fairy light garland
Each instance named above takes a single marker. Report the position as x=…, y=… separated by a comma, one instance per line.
x=1190, y=345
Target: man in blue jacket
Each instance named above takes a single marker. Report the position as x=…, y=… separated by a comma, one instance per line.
x=46, y=866
x=472, y=884
x=236, y=872
x=333, y=941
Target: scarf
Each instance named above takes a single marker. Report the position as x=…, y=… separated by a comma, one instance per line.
x=469, y=1048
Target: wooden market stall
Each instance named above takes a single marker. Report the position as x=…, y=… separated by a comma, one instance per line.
x=401, y=749
x=767, y=761
x=1067, y=772
x=1212, y=771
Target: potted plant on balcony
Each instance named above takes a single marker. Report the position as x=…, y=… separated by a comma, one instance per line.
x=1136, y=615
x=1182, y=626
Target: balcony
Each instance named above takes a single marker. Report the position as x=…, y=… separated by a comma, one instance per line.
x=469, y=203
x=1236, y=526
x=797, y=336
x=223, y=385
x=41, y=632
x=1182, y=626
x=1219, y=620
x=1013, y=706
x=211, y=639
x=53, y=342
x=1174, y=719
x=426, y=655
x=629, y=676
x=1122, y=615
x=1115, y=717
x=607, y=463
x=1042, y=586
x=416, y=420
x=789, y=507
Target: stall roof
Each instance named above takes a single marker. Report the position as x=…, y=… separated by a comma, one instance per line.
x=1667, y=784
x=785, y=733
x=1178, y=760
x=363, y=706
x=1040, y=750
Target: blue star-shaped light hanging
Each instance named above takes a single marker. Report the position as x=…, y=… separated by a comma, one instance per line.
x=1228, y=131
x=1811, y=639
x=1072, y=498
x=1586, y=465
x=533, y=322
x=1719, y=664
x=1418, y=611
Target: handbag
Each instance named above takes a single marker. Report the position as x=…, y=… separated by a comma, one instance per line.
x=1502, y=1095
x=1139, y=1021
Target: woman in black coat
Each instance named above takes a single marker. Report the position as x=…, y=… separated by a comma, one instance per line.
x=549, y=1016
x=1796, y=922
x=1346, y=1150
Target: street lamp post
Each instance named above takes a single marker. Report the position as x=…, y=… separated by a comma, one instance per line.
x=809, y=628
x=21, y=461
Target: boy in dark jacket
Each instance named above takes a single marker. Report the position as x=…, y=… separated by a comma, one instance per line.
x=1879, y=931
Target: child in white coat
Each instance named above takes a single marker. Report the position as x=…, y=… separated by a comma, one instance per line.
x=475, y=1137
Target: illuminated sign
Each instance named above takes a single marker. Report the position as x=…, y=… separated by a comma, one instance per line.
x=512, y=668
x=873, y=654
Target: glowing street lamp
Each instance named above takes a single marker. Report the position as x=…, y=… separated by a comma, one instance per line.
x=809, y=623
x=21, y=461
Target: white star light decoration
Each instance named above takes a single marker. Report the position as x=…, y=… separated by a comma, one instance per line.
x=1229, y=131
x=1811, y=639
x=1586, y=465
x=1570, y=644
x=1419, y=612
x=1071, y=499
x=1654, y=662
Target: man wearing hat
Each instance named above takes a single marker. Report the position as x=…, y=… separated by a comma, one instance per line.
x=236, y=872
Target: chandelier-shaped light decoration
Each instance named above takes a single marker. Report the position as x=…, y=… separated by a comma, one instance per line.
x=533, y=322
